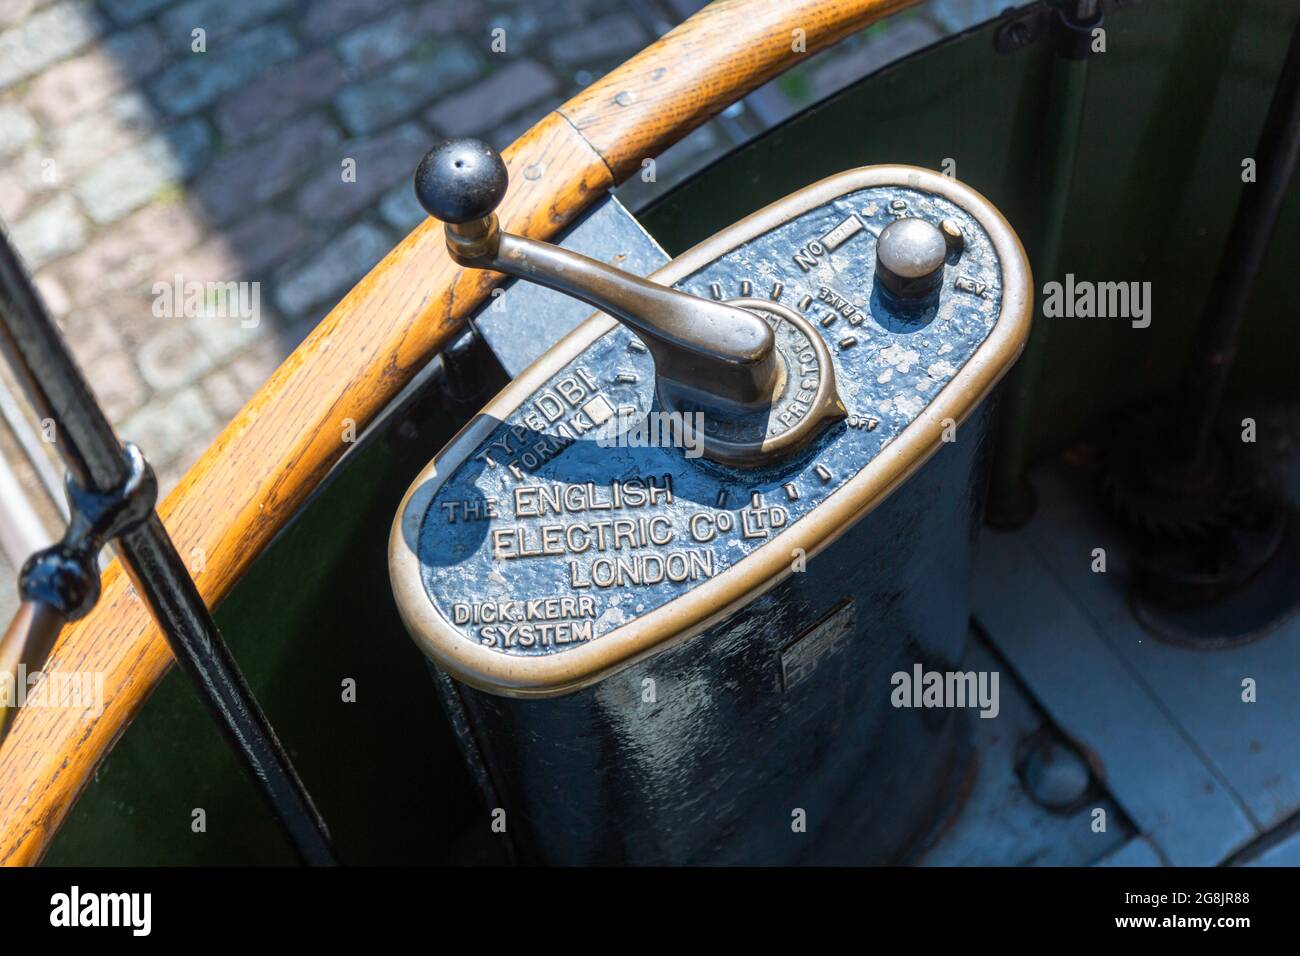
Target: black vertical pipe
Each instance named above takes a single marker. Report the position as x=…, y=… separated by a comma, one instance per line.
x=1011, y=500
x=1205, y=377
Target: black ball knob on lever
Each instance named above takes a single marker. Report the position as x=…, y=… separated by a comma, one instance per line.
x=461, y=182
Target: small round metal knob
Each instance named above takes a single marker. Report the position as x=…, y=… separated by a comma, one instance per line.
x=909, y=257
x=461, y=180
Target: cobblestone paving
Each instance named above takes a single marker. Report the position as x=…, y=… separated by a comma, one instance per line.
x=150, y=143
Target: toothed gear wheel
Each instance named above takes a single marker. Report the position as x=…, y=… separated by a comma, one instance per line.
x=1131, y=478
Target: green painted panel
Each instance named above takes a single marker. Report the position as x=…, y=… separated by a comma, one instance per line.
x=315, y=610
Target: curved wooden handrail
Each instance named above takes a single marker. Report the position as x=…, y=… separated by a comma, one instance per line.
x=275, y=451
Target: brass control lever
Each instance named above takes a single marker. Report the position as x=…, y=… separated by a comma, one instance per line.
x=709, y=348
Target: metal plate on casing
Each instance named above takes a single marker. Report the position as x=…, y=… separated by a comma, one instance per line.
x=531, y=559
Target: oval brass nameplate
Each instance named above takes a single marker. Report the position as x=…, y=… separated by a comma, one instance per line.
x=570, y=529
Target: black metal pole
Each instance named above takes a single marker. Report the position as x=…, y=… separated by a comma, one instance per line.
x=162, y=580
x=1205, y=378
x=103, y=476
x=54, y=384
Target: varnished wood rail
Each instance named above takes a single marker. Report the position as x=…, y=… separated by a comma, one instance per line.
x=275, y=451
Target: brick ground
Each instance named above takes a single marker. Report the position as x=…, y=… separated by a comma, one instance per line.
x=127, y=158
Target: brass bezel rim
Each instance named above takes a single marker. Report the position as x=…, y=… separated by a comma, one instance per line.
x=557, y=674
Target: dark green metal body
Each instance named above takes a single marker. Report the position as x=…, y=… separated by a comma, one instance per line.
x=700, y=754
x=1171, y=110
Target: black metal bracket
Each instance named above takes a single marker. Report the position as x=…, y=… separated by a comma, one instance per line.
x=1068, y=23
x=65, y=575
